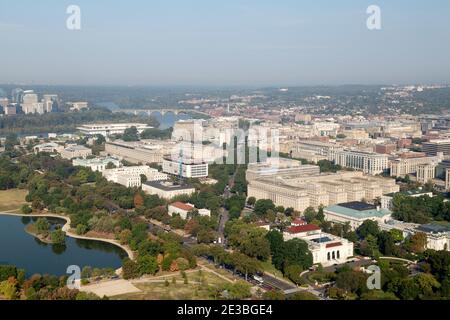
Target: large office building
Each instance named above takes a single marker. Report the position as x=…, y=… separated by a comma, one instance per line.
x=320, y=189
x=107, y=129
x=279, y=166
x=405, y=165
x=368, y=162
x=30, y=103
x=319, y=148
x=189, y=130
x=433, y=147
x=185, y=168
x=135, y=152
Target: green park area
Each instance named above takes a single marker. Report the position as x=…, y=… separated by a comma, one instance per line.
x=12, y=199
x=194, y=285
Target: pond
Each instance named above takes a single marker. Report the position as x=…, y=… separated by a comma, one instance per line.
x=23, y=250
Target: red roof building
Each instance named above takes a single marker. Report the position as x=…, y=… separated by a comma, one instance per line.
x=303, y=228
x=334, y=244
x=182, y=206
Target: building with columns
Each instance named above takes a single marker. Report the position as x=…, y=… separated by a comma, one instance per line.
x=368, y=162
x=320, y=189
x=326, y=249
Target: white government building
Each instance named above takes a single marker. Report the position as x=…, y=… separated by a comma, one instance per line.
x=166, y=189
x=131, y=176
x=107, y=129
x=324, y=189
x=325, y=248
x=184, y=208
x=185, y=168
x=96, y=164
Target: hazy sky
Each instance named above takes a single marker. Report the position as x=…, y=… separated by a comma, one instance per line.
x=224, y=42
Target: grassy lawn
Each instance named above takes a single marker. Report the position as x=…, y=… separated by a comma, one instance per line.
x=195, y=289
x=269, y=267
x=12, y=199
x=443, y=223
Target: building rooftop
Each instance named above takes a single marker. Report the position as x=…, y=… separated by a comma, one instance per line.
x=433, y=228
x=358, y=210
x=183, y=206
x=167, y=186
x=409, y=193
x=357, y=205
x=303, y=228
x=77, y=147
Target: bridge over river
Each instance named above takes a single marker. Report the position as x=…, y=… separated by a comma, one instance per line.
x=149, y=112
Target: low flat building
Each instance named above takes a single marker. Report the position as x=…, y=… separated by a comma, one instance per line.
x=131, y=176
x=183, y=209
x=96, y=164
x=75, y=151
x=166, y=189
x=325, y=248
x=355, y=213
x=386, y=200
x=50, y=147
x=107, y=129
x=438, y=237
x=77, y=106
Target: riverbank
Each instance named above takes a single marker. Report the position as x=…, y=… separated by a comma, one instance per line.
x=67, y=230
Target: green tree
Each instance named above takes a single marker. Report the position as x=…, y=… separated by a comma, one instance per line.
x=251, y=201
x=130, y=269
x=26, y=209
x=368, y=227
x=58, y=236
x=309, y=214
x=131, y=134
x=147, y=265
x=296, y=251
x=262, y=206
x=42, y=225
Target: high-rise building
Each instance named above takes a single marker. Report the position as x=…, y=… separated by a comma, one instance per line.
x=10, y=109
x=50, y=102
x=432, y=147
x=3, y=103
x=16, y=95
x=426, y=172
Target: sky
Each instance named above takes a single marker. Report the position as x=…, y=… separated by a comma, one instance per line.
x=224, y=42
